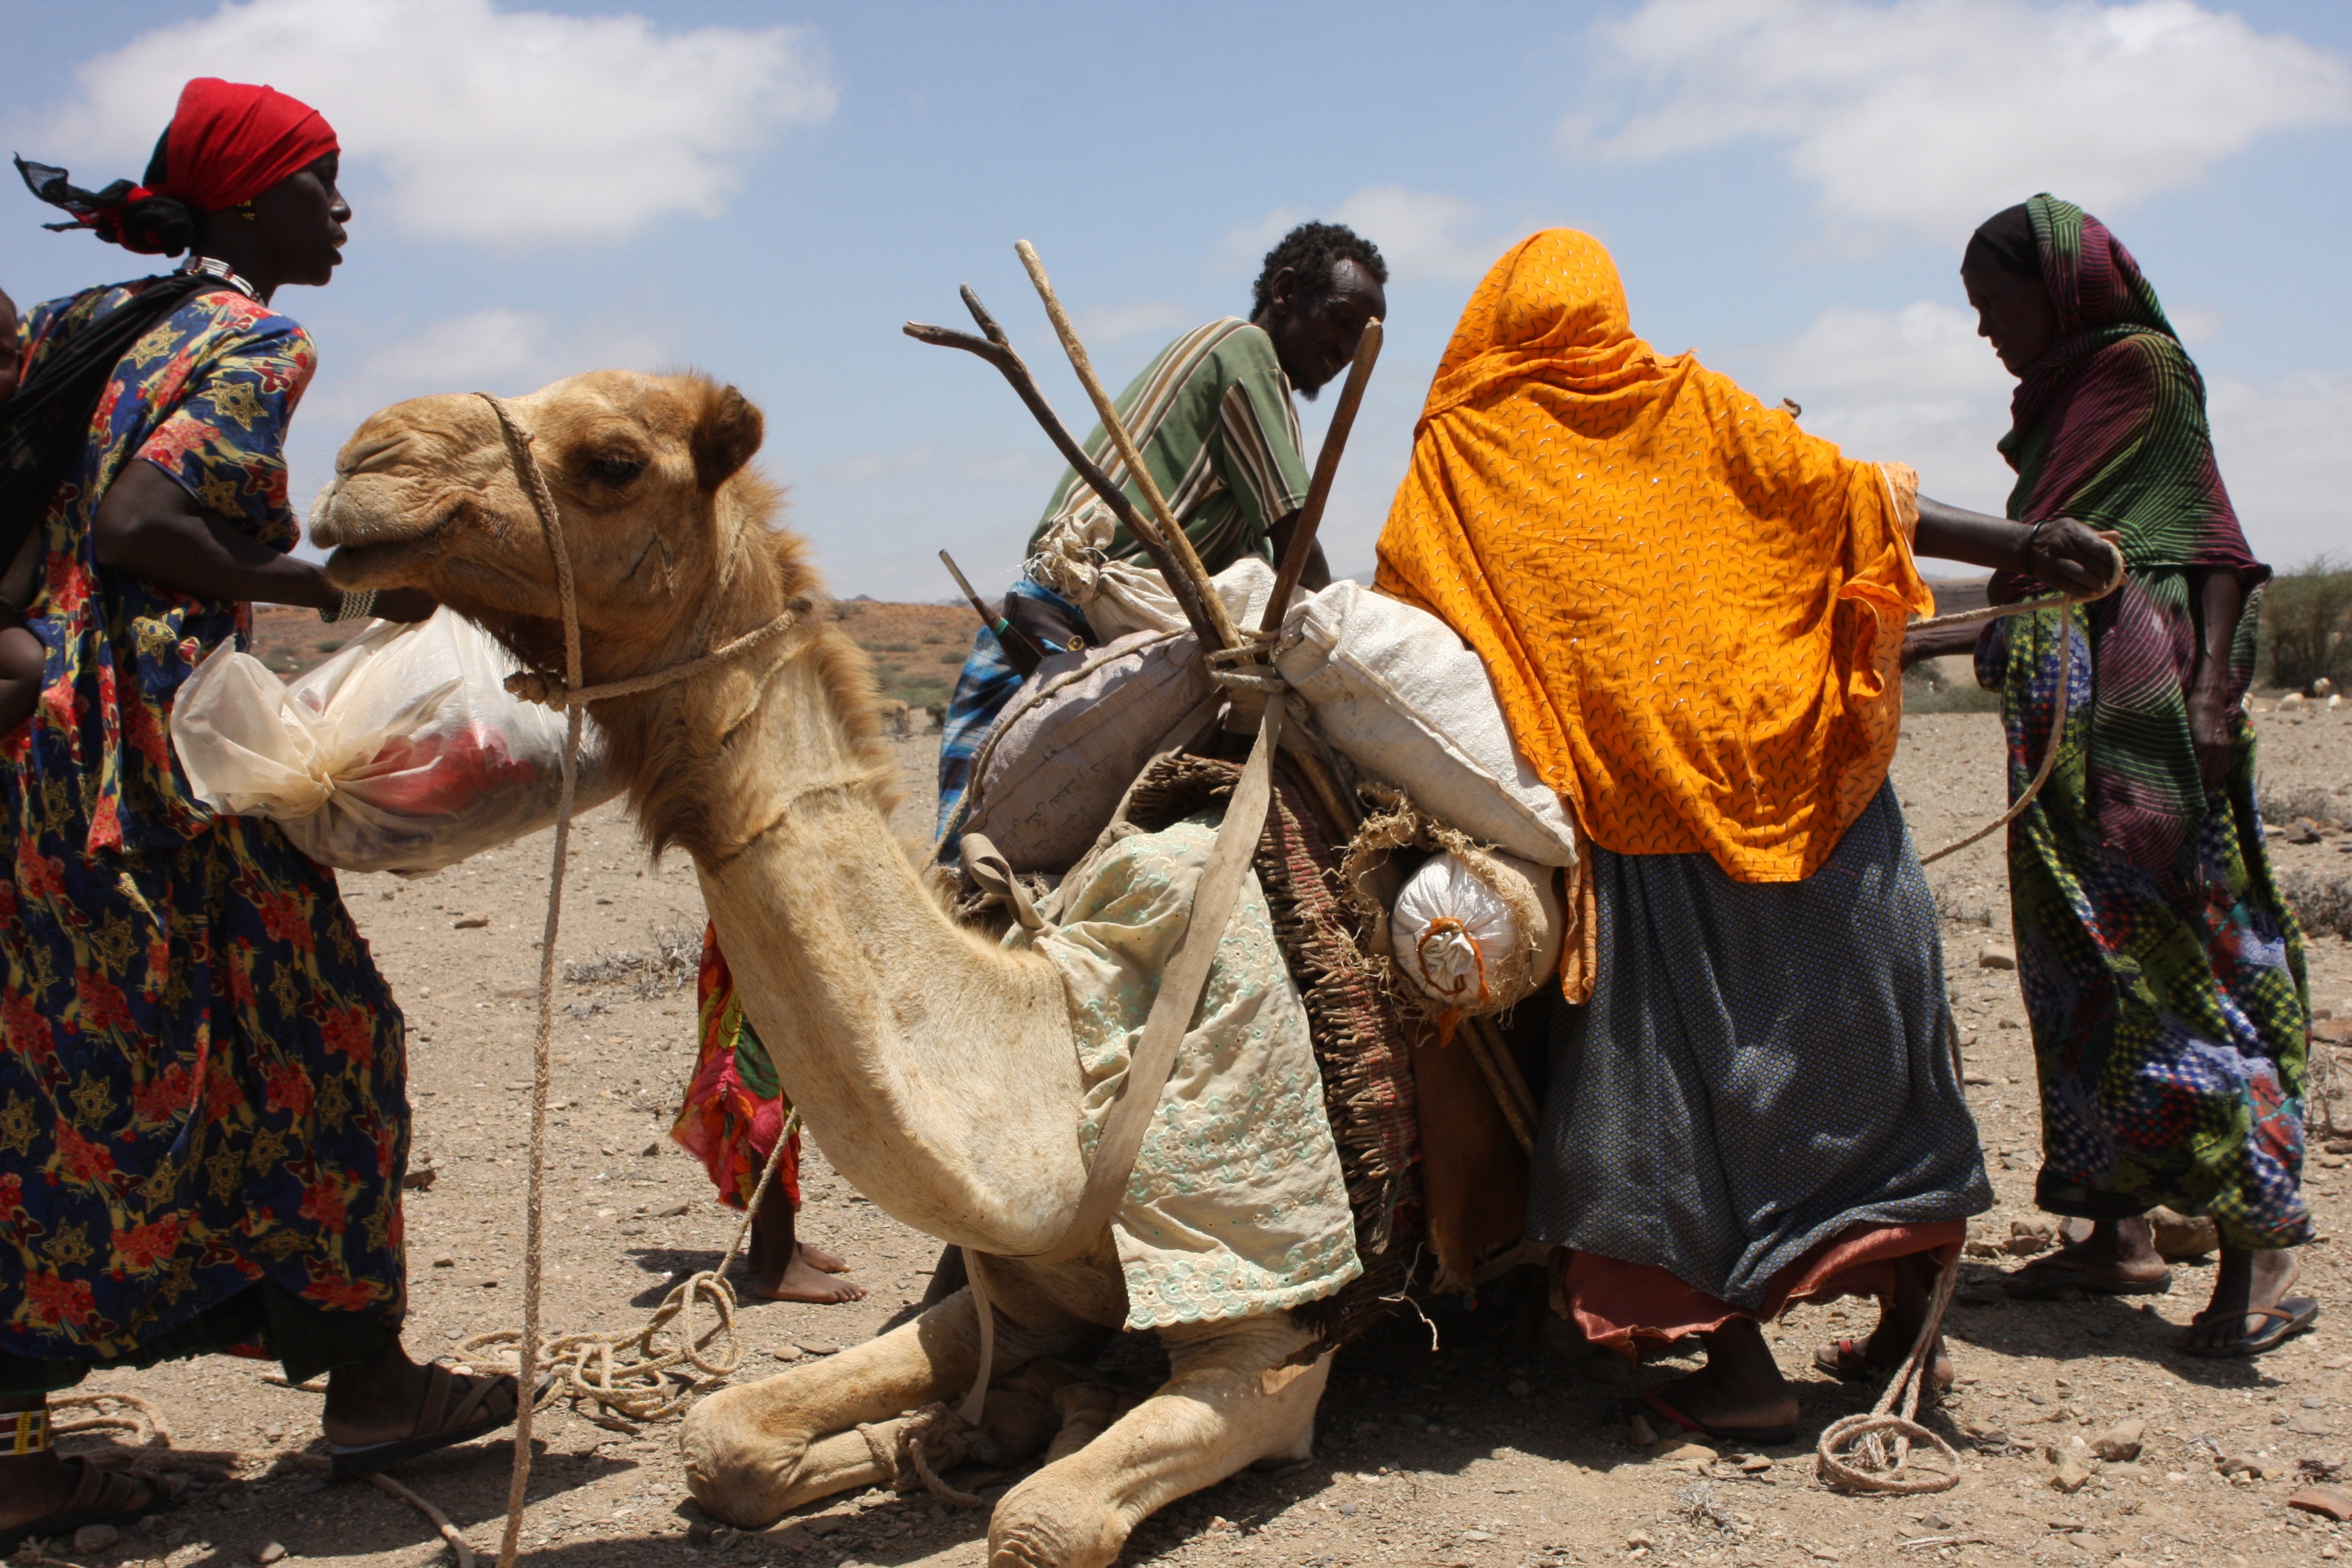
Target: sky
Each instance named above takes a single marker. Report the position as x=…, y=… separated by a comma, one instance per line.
x=765, y=191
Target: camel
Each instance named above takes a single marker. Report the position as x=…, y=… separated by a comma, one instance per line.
x=936, y=1068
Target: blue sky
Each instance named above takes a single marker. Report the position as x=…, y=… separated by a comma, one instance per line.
x=765, y=191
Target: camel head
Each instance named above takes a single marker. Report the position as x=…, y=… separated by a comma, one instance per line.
x=647, y=473
x=671, y=551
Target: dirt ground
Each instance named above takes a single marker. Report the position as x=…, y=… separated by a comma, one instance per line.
x=1499, y=1447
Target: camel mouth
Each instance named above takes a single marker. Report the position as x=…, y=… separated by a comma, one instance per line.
x=375, y=550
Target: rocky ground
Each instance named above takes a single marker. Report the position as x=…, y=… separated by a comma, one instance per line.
x=1498, y=1447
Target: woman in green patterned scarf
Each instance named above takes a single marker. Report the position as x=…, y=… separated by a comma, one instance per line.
x=2162, y=974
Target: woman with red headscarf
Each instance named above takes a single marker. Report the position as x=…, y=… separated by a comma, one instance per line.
x=203, y=1120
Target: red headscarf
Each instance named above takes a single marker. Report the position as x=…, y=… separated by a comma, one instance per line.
x=228, y=142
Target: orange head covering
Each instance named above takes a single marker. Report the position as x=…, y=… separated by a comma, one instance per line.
x=1692, y=609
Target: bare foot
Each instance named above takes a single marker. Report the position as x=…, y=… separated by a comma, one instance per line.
x=804, y=1279
x=818, y=1259
x=2246, y=1283
x=1740, y=1389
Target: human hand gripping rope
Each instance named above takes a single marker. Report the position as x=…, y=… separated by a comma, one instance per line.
x=1871, y=1466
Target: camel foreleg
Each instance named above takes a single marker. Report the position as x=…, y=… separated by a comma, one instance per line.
x=756, y=1452
x=1230, y=1402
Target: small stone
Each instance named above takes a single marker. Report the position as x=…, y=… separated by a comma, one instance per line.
x=95, y=1537
x=2069, y=1476
x=1642, y=1433
x=270, y=1553
x=1996, y=955
x=650, y=1150
x=817, y=1347
x=470, y=922
x=2028, y=1244
x=1977, y=1079
x=1477, y=1535
x=2240, y=1465
x=2328, y=1502
x=786, y=1353
x=1755, y=1464
x=674, y=1211
x=1345, y=1508
x=1677, y=1452
x=2180, y=1238
x=1637, y=1539
x=444, y=1261
x=1983, y=1249
x=2119, y=1441
x=419, y=1178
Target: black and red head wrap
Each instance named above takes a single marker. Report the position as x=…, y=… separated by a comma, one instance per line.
x=228, y=142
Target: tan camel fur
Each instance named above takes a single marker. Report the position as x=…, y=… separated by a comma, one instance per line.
x=936, y=1070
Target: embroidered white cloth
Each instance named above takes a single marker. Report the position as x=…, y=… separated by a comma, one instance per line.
x=1236, y=1206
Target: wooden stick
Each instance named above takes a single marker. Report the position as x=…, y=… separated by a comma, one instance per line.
x=1020, y=649
x=997, y=349
x=1497, y=1086
x=1179, y=545
x=1318, y=489
x=1508, y=1066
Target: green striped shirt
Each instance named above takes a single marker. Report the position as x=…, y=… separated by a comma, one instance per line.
x=1212, y=417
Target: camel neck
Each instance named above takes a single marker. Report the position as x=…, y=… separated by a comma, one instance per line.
x=935, y=1069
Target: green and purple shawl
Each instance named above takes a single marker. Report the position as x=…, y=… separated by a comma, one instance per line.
x=2108, y=427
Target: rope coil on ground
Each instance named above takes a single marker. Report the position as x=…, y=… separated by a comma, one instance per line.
x=1870, y=1468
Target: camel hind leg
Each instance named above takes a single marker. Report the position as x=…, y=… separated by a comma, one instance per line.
x=1229, y=1402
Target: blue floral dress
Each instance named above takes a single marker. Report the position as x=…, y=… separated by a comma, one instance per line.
x=202, y=1074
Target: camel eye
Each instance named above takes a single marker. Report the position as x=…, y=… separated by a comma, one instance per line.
x=614, y=470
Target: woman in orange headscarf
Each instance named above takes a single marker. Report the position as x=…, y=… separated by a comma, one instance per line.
x=1693, y=612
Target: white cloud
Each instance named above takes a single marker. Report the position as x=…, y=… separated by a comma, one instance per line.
x=1424, y=236
x=1117, y=323
x=2285, y=453
x=868, y=466
x=1916, y=385
x=1932, y=115
x=507, y=127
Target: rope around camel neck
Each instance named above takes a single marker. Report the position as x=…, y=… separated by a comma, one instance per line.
x=644, y=1385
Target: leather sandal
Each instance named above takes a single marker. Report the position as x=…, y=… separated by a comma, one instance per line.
x=2292, y=1316
x=442, y=1422
x=1848, y=1361
x=101, y=1497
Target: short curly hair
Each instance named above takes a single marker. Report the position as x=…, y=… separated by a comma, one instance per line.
x=1313, y=250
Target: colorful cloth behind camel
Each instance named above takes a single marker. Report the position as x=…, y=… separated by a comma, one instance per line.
x=2108, y=427
x=1236, y=1206
x=2162, y=973
x=1692, y=610
x=734, y=1106
x=2170, y=1015
x=202, y=1074
x=987, y=682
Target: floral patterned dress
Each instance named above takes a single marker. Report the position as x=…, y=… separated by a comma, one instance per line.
x=202, y=1074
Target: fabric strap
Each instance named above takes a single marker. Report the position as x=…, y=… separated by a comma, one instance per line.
x=1215, y=898
x=29, y=1433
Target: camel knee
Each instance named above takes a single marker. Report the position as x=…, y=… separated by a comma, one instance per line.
x=744, y=1454
x=1047, y=1522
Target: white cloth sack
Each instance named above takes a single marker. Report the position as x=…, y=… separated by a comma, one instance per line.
x=1456, y=933
x=1120, y=597
x=1396, y=690
x=1061, y=755
x=403, y=752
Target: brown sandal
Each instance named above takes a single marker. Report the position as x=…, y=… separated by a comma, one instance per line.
x=441, y=1421
x=101, y=1497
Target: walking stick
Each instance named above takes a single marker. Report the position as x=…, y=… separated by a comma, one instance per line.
x=1318, y=489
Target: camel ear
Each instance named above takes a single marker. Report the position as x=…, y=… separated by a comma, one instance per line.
x=730, y=430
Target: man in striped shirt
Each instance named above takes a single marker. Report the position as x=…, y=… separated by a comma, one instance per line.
x=1212, y=417
x=1211, y=413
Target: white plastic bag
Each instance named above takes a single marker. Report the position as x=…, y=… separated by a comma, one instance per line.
x=403, y=752
x=1395, y=689
x=1477, y=935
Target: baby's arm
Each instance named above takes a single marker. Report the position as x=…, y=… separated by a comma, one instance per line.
x=21, y=658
